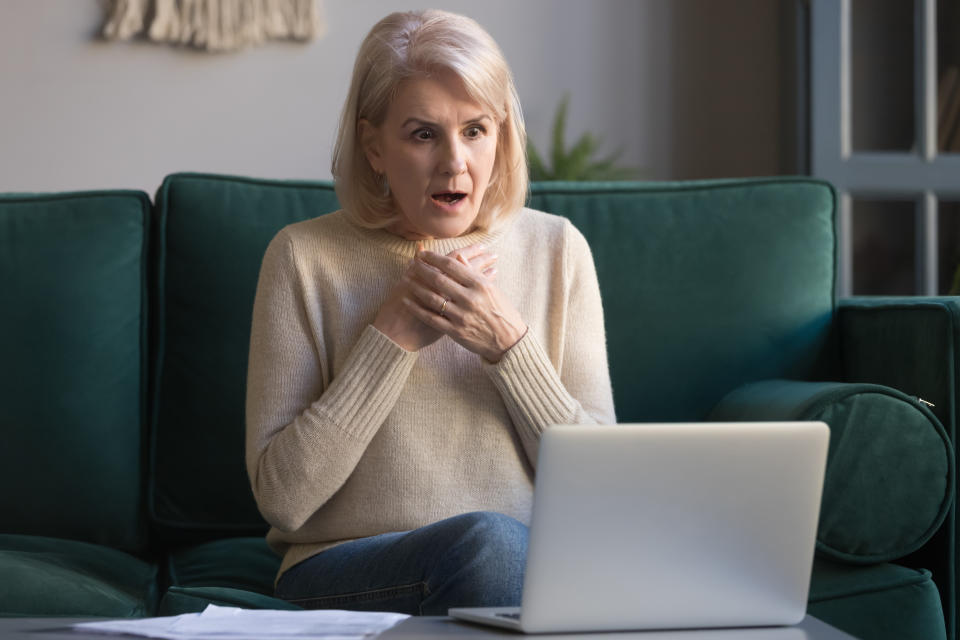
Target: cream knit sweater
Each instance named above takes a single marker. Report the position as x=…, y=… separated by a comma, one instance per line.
x=349, y=435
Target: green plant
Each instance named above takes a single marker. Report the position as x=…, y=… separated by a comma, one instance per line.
x=577, y=163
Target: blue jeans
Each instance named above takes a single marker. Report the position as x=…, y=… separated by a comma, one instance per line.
x=472, y=560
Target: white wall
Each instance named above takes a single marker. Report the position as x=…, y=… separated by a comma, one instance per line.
x=80, y=113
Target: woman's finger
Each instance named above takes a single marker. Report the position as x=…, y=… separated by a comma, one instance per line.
x=439, y=281
x=451, y=267
x=429, y=318
x=428, y=298
x=475, y=257
x=483, y=262
x=466, y=253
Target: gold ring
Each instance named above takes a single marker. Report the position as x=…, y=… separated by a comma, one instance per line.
x=443, y=306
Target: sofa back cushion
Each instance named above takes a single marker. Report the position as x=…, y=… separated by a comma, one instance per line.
x=72, y=342
x=706, y=285
x=212, y=232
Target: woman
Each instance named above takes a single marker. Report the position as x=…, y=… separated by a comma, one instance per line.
x=408, y=351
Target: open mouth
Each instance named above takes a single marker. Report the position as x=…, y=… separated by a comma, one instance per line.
x=448, y=197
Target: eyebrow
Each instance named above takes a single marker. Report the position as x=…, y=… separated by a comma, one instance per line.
x=428, y=123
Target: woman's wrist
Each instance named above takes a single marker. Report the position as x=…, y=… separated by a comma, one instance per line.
x=508, y=342
x=395, y=334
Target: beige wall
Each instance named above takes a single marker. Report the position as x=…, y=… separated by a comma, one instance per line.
x=689, y=88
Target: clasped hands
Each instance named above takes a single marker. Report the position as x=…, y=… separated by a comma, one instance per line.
x=453, y=295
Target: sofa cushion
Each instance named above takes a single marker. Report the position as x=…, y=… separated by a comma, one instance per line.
x=72, y=335
x=235, y=572
x=239, y=563
x=706, y=285
x=889, y=480
x=211, y=233
x=179, y=600
x=44, y=576
x=883, y=601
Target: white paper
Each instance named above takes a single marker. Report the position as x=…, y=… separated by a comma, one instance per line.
x=231, y=623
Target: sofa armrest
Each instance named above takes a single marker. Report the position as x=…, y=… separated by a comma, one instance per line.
x=910, y=344
x=890, y=467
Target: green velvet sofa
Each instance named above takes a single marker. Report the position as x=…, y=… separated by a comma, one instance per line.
x=124, y=327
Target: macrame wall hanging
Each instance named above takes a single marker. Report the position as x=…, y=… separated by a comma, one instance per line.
x=214, y=25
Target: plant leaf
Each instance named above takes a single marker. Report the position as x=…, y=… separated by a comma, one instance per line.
x=578, y=162
x=538, y=171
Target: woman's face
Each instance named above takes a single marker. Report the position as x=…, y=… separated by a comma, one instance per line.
x=437, y=148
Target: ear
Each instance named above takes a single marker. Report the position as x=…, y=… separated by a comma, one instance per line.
x=369, y=139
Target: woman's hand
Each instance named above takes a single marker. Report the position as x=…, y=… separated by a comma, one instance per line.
x=396, y=321
x=452, y=297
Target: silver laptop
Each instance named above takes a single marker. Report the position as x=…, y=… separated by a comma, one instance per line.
x=670, y=526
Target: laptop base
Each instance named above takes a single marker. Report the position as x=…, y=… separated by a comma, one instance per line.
x=505, y=617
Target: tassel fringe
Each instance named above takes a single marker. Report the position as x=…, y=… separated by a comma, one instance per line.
x=214, y=25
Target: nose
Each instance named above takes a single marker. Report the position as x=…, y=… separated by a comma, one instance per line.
x=453, y=162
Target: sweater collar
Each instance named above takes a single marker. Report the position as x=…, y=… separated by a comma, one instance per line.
x=408, y=248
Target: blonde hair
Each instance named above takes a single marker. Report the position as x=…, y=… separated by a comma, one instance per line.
x=419, y=43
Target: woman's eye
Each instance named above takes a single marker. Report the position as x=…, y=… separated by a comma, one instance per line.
x=423, y=134
x=474, y=132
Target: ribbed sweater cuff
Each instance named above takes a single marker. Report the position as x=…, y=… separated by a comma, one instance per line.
x=366, y=390
x=528, y=382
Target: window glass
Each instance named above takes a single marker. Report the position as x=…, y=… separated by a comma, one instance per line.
x=948, y=76
x=884, y=247
x=948, y=237
x=882, y=75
